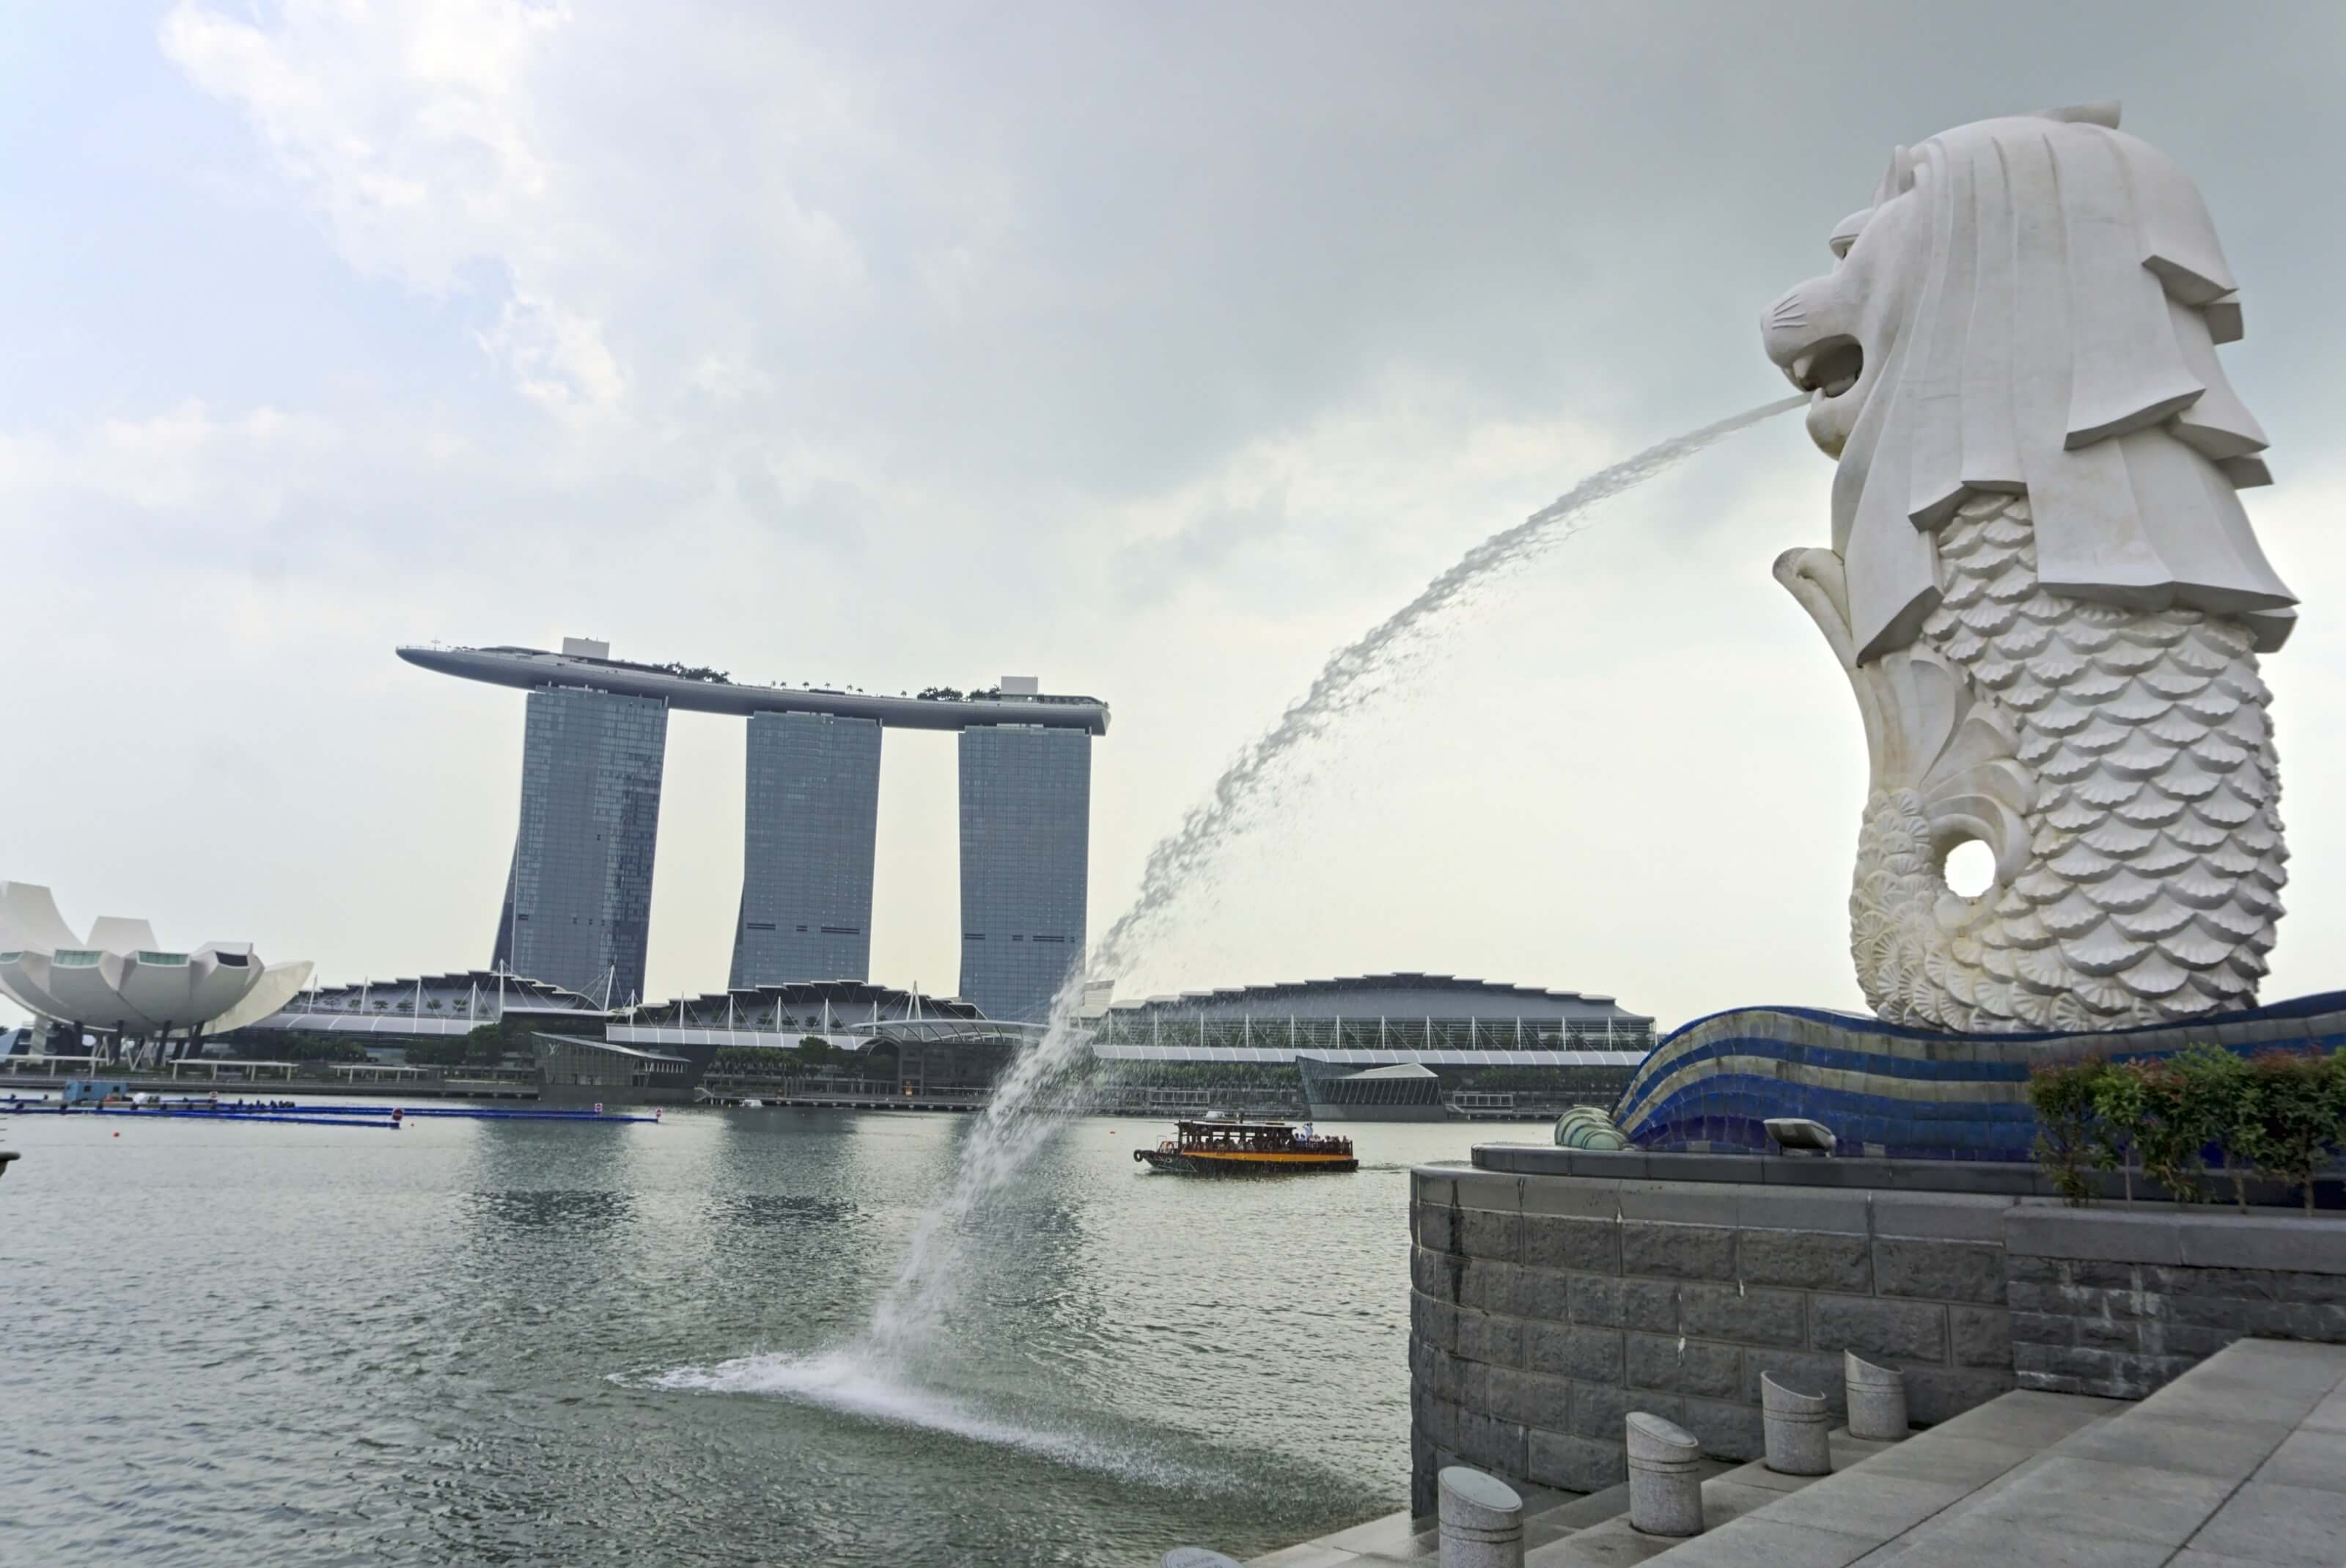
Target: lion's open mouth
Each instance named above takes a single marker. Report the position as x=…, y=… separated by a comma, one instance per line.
x=1831, y=367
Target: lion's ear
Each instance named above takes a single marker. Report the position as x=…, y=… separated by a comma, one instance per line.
x=1898, y=178
x=2103, y=114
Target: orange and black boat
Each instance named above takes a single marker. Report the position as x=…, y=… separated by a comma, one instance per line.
x=1246, y=1148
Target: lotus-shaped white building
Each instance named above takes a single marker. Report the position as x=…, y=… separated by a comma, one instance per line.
x=120, y=980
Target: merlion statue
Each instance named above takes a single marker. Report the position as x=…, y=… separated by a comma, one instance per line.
x=2042, y=584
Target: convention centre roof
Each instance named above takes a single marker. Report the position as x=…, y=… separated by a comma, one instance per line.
x=847, y=1013
x=431, y=1004
x=1405, y=994
x=847, y=1001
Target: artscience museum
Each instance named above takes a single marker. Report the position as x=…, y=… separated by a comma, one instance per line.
x=118, y=979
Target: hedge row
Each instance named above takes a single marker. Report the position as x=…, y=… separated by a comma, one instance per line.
x=2280, y=1114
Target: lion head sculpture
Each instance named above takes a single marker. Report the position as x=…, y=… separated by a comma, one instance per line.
x=2032, y=305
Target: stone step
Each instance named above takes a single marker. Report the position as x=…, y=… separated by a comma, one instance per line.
x=1730, y=1492
x=1551, y=1518
x=1402, y=1537
x=2239, y=1464
x=1583, y=1512
x=2241, y=1461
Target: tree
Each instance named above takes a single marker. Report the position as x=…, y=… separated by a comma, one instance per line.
x=315, y=1048
x=2301, y=1118
x=2177, y=1121
x=2225, y=1094
x=2062, y=1095
x=752, y=1062
x=436, y=1053
x=490, y=1043
x=2118, y=1111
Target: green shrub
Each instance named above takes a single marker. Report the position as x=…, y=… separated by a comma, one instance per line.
x=2120, y=1106
x=2228, y=1101
x=2067, y=1141
x=2281, y=1115
x=2298, y=1124
x=2176, y=1120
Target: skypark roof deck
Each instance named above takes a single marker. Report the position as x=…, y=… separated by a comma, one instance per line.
x=529, y=668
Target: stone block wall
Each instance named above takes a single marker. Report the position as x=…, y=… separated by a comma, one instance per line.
x=2119, y=1304
x=1544, y=1307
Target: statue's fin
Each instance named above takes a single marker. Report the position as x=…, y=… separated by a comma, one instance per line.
x=1818, y=580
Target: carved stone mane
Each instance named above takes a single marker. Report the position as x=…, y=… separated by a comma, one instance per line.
x=2037, y=303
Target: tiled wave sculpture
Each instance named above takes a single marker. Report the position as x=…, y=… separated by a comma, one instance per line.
x=1887, y=1089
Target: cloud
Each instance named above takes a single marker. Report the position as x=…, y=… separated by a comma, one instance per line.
x=173, y=462
x=1157, y=350
x=1205, y=542
x=724, y=378
x=559, y=359
x=408, y=126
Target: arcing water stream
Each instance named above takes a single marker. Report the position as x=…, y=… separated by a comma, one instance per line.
x=1008, y=1132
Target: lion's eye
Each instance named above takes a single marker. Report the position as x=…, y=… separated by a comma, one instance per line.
x=1846, y=231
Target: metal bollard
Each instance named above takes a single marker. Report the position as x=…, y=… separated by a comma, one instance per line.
x=1481, y=1521
x=1794, y=1425
x=1665, y=1480
x=1196, y=1557
x=1877, y=1399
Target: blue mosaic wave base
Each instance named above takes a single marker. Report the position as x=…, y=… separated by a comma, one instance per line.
x=1886, y=1089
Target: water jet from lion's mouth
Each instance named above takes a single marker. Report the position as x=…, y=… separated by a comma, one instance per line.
x=1832, y=367
x=905, y=1322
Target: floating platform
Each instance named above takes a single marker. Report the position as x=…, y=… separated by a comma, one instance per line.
x=380, y=1116
x=1890, y=1091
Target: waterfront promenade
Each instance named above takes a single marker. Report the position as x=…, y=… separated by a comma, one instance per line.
x=2239, y=1464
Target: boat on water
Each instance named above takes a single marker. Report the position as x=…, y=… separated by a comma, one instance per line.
x=1246, y=1148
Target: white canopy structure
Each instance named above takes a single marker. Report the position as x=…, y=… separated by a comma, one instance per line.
x=121, y=979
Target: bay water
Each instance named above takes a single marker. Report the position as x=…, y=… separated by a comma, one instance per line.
x=518, y=1343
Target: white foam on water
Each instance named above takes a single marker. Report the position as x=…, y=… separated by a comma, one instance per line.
x=852, y=1384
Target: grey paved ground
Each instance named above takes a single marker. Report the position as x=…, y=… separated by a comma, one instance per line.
x=2241, y=1463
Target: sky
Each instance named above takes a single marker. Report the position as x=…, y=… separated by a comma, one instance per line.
x=1155, y=351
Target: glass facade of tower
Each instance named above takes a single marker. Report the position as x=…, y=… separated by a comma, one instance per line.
x=578, y=895
x=811, y=818
x=1026, y=857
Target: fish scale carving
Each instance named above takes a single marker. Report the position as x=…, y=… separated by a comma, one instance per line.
x=2155, y=856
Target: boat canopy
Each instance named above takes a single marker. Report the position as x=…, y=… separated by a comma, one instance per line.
x=1254, y=1138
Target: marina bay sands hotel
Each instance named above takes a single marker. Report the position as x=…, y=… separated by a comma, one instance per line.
x=577, y=903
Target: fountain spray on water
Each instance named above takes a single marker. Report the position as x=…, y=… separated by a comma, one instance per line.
x=1009, y=1131
x=1008, y=1134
